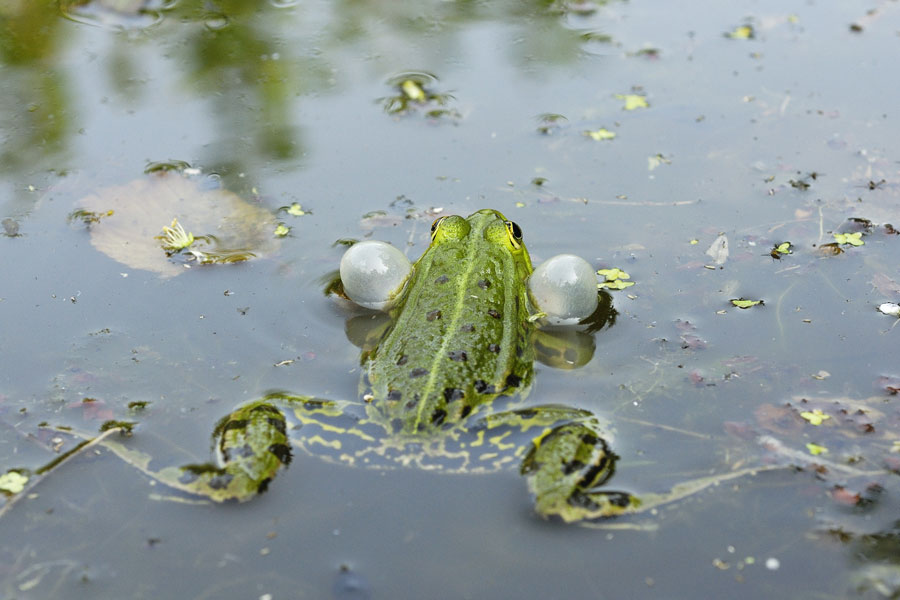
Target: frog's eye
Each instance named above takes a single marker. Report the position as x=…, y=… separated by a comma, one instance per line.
x=515, y=234
x=435, y=225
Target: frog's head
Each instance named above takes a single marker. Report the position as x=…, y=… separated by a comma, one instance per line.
x=487, y=227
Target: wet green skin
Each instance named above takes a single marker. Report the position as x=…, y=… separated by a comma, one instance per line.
x=461, y=334
x=461, y=340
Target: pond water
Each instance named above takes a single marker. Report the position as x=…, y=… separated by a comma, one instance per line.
x=633, y=134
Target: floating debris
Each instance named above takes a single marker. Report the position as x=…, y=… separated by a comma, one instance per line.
x=128, y=223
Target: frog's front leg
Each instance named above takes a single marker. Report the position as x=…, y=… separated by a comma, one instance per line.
x=566, y=463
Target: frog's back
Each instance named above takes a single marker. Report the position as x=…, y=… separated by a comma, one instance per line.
x=460, y=339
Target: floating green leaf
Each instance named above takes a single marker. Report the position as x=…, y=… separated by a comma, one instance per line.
x=633, y=101
x=744, y=303
x=413, y=90
x=601, y=134
x=816, y=417
x=282, y=230
x=615, y=279
x=88, y=216
x=816, y=449
x=782, y=248
x=12, y=482
x=615, y=285
x=613, y=274
x=295, y=210
x=742, y=32
x=854, y=239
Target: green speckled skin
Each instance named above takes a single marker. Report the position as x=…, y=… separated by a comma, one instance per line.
x=461, y=338
x=461, y=334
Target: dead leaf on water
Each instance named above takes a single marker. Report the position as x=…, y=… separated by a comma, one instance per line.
x=138, y=212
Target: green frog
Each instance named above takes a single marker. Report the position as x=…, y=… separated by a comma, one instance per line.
x=442, y=388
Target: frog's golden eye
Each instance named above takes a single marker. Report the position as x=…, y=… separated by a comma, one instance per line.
x=515, y=233
x=435, y=225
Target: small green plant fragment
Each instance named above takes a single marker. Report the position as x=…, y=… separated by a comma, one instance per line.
x=221, y=256
x=854, y=239
x=88, y=217
x=816, y=449
x=539, y=181
x=413, y=90
x=138, y=405
x=651, y=53
x=615, y=279
x=282, y=230
x=125, y=426
x=815, y=417
x=599, y=135
x=12, y=482
x=779, y=249
x=549, y=122
x=744, y=303
x=613, y=274
x=177, y=166
x=742, y=32
x=633, y=101
x=295, y=210
x=174, y=238
x=831, y=249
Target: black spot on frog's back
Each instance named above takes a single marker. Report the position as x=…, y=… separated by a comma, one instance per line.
x=513, y=380
x=282, y=452
x=458, y=355
x=418, y=372
x=438, y=416
x=483, y=387
x=453, y=394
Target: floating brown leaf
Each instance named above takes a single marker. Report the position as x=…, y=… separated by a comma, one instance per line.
x=139, y=210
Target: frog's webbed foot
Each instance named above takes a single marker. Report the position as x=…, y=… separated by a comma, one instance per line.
x=566, y=466
x=252, y=444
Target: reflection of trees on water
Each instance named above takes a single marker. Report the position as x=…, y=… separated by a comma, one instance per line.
x=251, y=60
x=34, y=111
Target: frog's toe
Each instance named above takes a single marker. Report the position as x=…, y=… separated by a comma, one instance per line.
x=564, y=287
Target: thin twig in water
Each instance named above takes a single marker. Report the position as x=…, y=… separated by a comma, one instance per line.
x=702, y=436
x=36, y=479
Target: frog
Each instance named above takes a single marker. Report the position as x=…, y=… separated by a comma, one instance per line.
x=444, y=383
